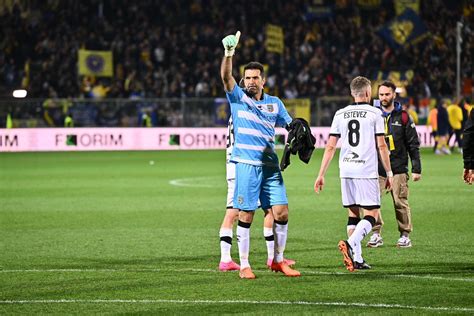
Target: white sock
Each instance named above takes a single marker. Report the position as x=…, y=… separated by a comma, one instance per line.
x=281, y=234
x=270, y=240
x=357, y=252
x=362, y=229
x=243, y=240
x=349, y=229
x=225, y=233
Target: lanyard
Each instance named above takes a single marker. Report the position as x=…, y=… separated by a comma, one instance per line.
x=388, y=128
x=388, y=133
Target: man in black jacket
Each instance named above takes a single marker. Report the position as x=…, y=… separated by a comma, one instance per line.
x=402, y=139
x=468, y=150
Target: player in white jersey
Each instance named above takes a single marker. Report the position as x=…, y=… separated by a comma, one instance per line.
x=258, y=177
x=361, y=129
x=232, y=214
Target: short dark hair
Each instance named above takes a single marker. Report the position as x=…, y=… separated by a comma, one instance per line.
x=388, y=84
x=255, y=65
x=359, y=85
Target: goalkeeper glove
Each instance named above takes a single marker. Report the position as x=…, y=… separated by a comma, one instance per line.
x=230, y=43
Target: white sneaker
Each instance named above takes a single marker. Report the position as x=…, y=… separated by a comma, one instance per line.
x=446, y=151
x=438, y=152
x=375, y=241
x=404, y=242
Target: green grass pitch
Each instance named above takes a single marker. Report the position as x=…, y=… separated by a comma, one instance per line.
x=111, y=232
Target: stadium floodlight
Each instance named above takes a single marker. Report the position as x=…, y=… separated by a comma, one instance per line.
x=20, y=93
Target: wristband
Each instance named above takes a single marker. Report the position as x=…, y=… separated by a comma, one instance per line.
x=389, y=174
x=229, y=52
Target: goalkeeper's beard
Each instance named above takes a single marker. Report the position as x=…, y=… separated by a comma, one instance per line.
x=252, y=90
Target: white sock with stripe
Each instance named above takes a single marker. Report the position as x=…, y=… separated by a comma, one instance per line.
x=225, y=235
x=362, y=229
x=270, y=241
x=281, y=234
x=243, y=240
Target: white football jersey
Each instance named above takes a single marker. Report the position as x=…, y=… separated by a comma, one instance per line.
x=230, y=138
x=230, y=166
x=358, y=125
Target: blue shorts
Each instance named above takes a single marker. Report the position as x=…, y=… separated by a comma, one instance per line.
x=258, y=182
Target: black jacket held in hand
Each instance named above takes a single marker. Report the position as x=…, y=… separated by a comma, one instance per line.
x=300, y=140
x=468, y=142
x=400, y=126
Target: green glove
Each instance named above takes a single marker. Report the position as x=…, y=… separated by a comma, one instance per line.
x=230, y=43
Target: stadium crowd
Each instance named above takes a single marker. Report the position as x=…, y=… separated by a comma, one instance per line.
x=172, y=48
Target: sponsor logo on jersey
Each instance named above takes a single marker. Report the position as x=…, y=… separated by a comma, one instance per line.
x=352, y=157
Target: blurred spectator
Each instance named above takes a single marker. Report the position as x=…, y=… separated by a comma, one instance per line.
x=410, y=108
x=468, y=150
x=455, y=121
x=166, y=48
x=99, y=91
x=443, y=128
x=433, y=123
x=466, y=109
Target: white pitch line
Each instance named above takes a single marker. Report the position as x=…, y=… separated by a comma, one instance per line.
x=428, y=277
x=189, y=182
x=212, y=182
x=304, y=303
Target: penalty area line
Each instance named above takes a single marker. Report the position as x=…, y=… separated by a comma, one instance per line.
x=221, y=302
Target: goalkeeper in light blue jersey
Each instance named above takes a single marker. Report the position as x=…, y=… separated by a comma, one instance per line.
x=255, y=115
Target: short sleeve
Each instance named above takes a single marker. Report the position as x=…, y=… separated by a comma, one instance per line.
x=335, y=129
x=379, y=125
x=284, y=117
x=235, y=95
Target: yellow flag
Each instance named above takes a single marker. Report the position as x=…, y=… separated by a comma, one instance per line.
x=96, y=63
x=275, y=39
x=299, y=108
x=401, y=5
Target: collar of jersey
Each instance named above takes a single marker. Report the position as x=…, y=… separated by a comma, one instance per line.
x=360, y=103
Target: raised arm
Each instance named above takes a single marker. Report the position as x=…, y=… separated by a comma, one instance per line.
x=226, y=74
x=230, y=43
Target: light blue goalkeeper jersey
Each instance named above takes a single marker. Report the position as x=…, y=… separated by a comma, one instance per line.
x=254, y=127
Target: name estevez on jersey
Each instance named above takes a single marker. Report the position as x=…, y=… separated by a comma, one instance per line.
x=355, y=114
